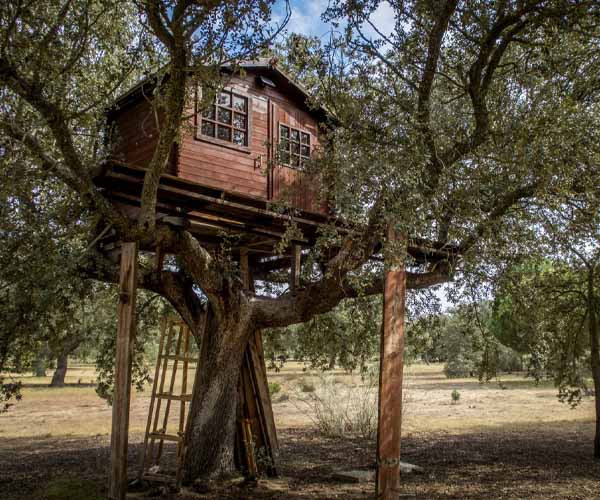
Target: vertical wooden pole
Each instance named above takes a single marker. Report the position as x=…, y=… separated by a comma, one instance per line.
x=295, y=272
x=125, y=336
x=390, y=373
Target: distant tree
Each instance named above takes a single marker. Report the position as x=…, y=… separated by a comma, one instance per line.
x=549, y=307
x=347, y=336
x=48, y=307
x=467, y=346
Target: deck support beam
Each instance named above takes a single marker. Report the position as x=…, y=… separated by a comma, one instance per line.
x=121, y=400
x=390, y=371
x=296, y=267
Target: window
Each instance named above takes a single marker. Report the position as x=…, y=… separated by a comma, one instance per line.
x=294, y=147
x=227, y=119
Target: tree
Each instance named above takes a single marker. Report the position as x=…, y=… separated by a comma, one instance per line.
x=459, y=94
x=549, y=307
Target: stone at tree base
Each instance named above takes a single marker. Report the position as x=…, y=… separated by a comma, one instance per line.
x=355, y=476
x=406, y=468
x=366, y=476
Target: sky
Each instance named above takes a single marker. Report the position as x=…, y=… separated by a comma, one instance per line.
x=306, y=17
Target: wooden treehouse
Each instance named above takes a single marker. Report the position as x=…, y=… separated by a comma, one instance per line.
x=238, y=159
x=242, y=168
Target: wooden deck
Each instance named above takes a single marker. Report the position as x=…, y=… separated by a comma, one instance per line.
x=252, y=223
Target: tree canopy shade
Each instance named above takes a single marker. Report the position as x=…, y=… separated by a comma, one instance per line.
x=446, y=130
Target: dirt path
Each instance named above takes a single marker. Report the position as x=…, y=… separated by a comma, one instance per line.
x=553, y=463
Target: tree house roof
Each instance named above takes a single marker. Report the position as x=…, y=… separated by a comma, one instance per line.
x=265, y=66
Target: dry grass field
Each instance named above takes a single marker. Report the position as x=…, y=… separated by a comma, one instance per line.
x=506, y=439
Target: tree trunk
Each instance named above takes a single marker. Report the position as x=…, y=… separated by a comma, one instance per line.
x=62, y=363
x=210, y=450
x=595, y=356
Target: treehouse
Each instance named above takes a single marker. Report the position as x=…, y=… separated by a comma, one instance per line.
x=241, y=166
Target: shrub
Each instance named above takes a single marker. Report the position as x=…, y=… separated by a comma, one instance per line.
x=306, y=386
x=459, y=366
x=455, y=396
x=342, y=411
x=274, y=388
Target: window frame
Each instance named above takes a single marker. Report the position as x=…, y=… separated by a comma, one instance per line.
x=232, y=91
x=301, y=164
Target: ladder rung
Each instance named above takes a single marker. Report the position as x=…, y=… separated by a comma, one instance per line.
x=172, y=357
x=165, y=437
x=173, y=397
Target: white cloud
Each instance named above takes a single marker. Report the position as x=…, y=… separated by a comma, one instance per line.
x=306, y=18
x=383, y=19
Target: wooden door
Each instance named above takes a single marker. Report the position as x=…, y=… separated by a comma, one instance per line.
x=287, y=182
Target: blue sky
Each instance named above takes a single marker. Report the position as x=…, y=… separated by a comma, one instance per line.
x=306, y=17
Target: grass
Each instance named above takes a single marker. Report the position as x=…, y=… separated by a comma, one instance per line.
x=70, y=489
x=77, y=411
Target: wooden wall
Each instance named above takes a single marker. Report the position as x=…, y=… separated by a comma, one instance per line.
x=219, y=166
x=239, y=170
x=134, y=134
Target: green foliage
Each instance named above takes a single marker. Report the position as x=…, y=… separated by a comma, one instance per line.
x=149, y=311
x=467, y=346
x=9, y=391
x=541, y=308
x=274, y=388
x=455, y=395
x=348, y=336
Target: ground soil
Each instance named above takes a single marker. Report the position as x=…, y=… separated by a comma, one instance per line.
x=507, y=440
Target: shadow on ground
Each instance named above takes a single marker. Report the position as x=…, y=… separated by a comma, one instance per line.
x=533, y=463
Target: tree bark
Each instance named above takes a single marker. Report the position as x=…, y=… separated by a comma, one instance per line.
x=595, y=356
x=62, y=363
x=212, y=417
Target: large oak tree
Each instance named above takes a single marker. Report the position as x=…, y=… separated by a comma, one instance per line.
x=445, y=128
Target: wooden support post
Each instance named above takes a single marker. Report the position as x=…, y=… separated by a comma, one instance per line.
x=121, y=399
x=295, y=272
x=390, y=373
x=245, y=268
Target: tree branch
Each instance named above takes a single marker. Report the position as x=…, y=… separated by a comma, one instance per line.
x=323, y=296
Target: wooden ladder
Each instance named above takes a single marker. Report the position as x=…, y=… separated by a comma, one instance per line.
x=151, y=468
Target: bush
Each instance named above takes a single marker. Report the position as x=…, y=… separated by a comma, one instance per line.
x=342, y=411
x=274, y=388
x=455, y=396
x=459, y=366
x=307, y=386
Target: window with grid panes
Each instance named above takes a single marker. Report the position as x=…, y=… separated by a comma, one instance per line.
x=227, y=119
x=294, y=147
